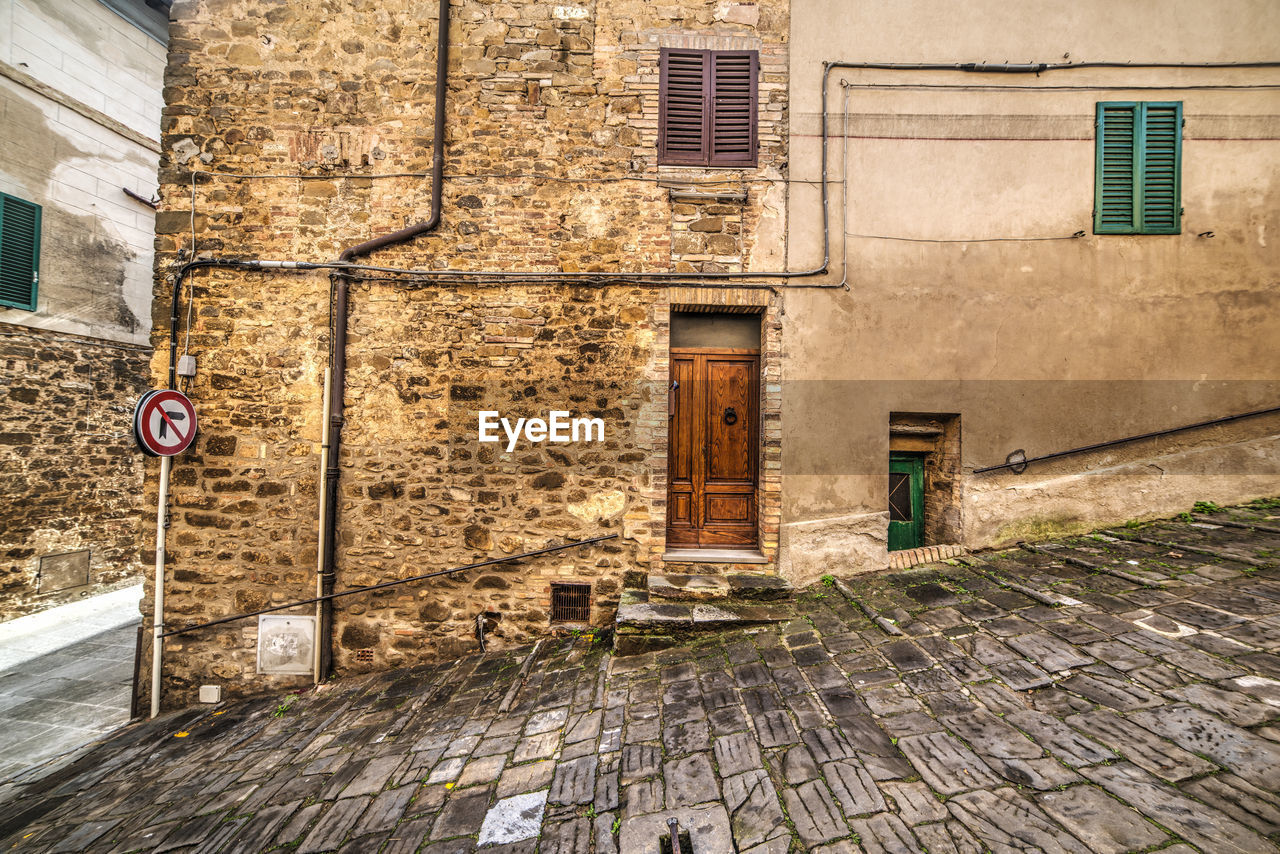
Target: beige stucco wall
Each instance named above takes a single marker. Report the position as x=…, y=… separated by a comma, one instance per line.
x=80, y=101
x=956, y=306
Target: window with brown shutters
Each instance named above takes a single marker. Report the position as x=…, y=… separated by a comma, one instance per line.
x=707, y=107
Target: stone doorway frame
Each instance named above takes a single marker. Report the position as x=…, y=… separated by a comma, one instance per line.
x=653, y=435
x=935, y=437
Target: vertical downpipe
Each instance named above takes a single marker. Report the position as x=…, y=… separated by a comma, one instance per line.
x=157, y=617
x=341, y=286
x=320, y=538
x=334, y=422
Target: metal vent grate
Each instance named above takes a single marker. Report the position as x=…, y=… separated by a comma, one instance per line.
x=364, y=656
x=570, y=602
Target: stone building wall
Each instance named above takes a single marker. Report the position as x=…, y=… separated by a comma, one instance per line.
x=79, y=122
x=70, y=476
x=977, y=283
x=550, y=166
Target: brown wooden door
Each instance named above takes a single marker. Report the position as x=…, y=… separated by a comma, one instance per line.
x=714, y=442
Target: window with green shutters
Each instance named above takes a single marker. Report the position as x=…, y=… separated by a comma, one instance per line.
x=1138, y=175
x=19, y=252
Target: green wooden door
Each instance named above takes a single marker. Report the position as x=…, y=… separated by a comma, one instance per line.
x=906, y=502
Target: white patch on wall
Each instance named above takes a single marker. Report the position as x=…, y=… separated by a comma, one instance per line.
x=285, y=644
x=571, y=13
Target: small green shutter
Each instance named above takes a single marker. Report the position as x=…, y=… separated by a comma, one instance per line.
x=1115, y=181
x=1138, y=168
x=1161, y=168
x=19, y=252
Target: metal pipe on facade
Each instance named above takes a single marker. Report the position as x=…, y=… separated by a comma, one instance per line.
x=316, y=659
x=338, y=346
x=844, y=188
x=1020, y=465
x=329, y=530
x=1037, y=67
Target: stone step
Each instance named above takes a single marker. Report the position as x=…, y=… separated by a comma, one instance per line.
x=646, y=623
x=752, y=586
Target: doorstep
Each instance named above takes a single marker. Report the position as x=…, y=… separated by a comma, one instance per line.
x=713, y=556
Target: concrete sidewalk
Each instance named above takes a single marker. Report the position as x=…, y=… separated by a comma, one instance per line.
x=49, y=631
x=65, y=677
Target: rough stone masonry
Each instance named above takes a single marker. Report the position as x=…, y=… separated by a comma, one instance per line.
x=69, y=473
x=551, y=166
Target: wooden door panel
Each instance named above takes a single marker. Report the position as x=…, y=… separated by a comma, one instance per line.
x=682, y=528
x=683, y=535
x=682, y=426
x=730, y=455
x=906, y=502
x=724, y=535
x=681, y=509
x=729, y=509
x=712, y=466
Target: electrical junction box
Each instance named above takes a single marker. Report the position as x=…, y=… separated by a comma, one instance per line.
x=186, y=366
x=285, y=644
x=211, y=693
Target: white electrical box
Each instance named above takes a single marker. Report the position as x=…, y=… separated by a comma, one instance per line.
x=211, y=693
x=285, y=644
x=186, y=366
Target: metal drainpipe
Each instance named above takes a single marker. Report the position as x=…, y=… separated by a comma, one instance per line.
x=341, y=286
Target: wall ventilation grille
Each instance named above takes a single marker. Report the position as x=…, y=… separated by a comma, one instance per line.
x=570, y=602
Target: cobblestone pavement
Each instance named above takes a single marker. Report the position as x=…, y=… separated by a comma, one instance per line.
x=1128, y=709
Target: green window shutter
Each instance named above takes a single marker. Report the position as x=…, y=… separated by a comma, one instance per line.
x=1138, y=170
x=19, y=252
x=1115, y=181
x=1161, y=159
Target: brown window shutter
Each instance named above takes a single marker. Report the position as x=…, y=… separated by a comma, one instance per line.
x=733, y=120
x=684, y=115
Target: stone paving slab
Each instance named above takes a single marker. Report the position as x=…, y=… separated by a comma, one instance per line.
x=1145, y=718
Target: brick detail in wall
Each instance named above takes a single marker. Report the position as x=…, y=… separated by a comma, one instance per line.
x=908, y=558
x=70, y=473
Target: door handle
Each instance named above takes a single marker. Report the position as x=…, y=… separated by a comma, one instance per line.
x=730, y=416
x=671, y=399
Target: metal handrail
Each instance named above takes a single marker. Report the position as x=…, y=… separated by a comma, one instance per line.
x=386, y=584
x=1019, y=465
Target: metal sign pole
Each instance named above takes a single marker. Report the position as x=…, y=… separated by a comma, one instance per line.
x=157, y=617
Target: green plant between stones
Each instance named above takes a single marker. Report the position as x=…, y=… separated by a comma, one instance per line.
x=284, y=705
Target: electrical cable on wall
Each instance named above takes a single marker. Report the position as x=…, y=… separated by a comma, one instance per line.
x=1075, y=236
x=1015, y=87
